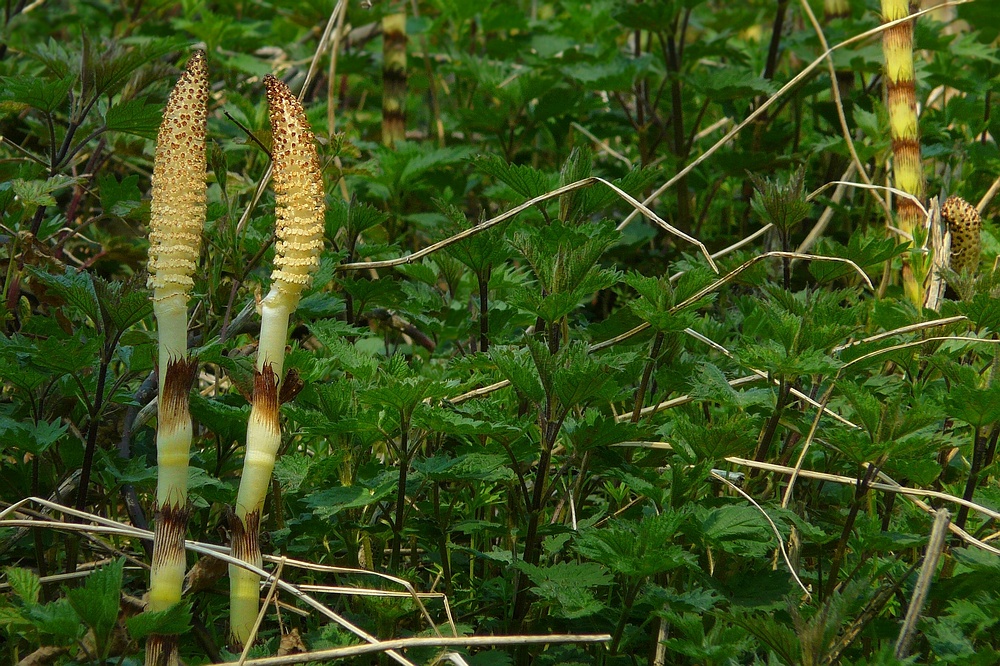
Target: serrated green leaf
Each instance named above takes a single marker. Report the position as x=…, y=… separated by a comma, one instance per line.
x=653, y=16
x=328, y=503
x=172, y=621
x=291, y=470
x=34, y=193
x=57, y=619
x=730, y=83
x=135, y=116
x=526, y=181
x=123, y=303
x=98, y=600
x=119, y=198
x=735, y=529
x=468, y=467
x=227, y=421
x=26, y=584
x=36, y=92
x=637, y=549
x=76, y=288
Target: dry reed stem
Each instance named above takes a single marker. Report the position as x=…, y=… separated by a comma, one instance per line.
x=407, y=643
x=637, y=205
x=838, y=103
x=933, y=553
x=262, y=612
x=806, y=446
x=324, y=43
x=917, y=343
x=852, y=481
x=798, y=78
x=479, y=392
x=774, y=528
x=912, y=328
x=112, y=527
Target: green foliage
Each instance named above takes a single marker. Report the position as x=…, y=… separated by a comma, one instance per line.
x=533, y=419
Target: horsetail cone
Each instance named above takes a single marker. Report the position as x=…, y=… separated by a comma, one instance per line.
x=176, y=220
x=299, y=202
x=177, y=210
x=300, y=207
x=965, y=226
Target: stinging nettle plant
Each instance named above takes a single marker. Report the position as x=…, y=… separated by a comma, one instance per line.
x=299, y=228
x=177, y=216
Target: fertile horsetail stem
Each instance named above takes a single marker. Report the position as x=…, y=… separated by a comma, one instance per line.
x=177, y=215
x=299, y=201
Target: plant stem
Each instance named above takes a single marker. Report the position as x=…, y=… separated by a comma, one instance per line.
x=979, y=454
x=838, y=554
x=640, y=394
x=397, y=523
x=88, y=458
x=772, y=424
x=484, y=313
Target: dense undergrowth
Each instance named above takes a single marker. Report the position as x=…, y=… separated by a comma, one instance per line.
x=569, y=422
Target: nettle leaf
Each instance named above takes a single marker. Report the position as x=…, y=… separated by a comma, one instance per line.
x=582, y=376
x=110, y=64
x=139, y=116
x=123, y=303
x=983, y=310
x=517, y=367
x=733, y=528
x=976, y=406
x=695, y=599
x=732, y=434
x=866, y=249
x=362, y=216
x=119, y=198
x=368, y=294
x=74, y=287
x=597, y=431
x=35, y=92
x=526, y=181
x=57, y=619
x=33, y=193
x=710, y=384
x=404, y=394
x=479, y=252
x=467, y=467
x=637, y=549
x=579, y=165
x=774, y=357
x=40, y=436
x=68, y=355
x=568, y=586
x=614, y=73
x=97, y=601
x=653, y=16
x=563, y=256
x=26, y=584
x=227, y=421
x=326, y=504
x=599, y=196
x=291, y=470
x=721, y=84
x=172, y=621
